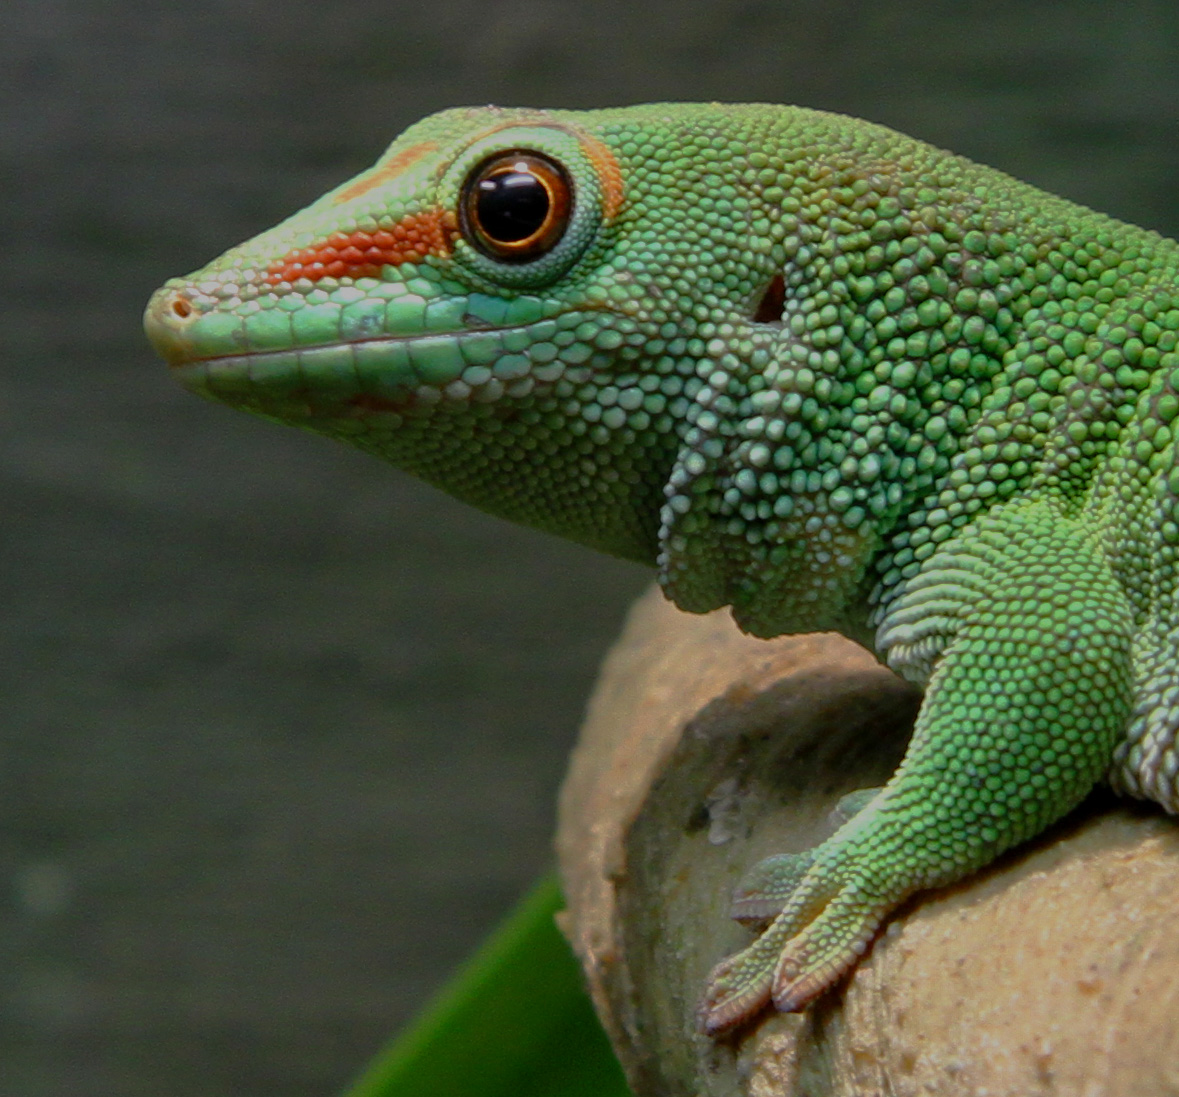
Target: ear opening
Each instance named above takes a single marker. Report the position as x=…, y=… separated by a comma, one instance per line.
x=769, y=305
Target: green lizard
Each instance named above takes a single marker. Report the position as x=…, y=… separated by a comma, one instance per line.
x=812, y=369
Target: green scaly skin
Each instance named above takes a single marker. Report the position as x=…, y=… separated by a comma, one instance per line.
x=814, y=370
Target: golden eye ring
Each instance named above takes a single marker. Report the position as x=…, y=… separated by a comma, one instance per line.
x=515, y=206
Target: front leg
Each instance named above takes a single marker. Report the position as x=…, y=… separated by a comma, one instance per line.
x=1027, y=699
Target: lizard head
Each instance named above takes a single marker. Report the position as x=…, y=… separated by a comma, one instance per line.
x=511, y=304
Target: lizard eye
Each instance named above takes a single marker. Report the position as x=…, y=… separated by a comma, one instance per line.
x=516, y=206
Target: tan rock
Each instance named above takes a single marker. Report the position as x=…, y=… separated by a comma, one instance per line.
x=1055, y=972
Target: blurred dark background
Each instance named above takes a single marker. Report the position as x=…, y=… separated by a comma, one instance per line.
x=282, y=729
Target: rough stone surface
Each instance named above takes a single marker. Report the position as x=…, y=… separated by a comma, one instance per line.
x=1052, y=973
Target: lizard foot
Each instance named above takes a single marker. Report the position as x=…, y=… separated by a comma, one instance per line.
x=826, y=924
x=768, y=886
x=766, y=889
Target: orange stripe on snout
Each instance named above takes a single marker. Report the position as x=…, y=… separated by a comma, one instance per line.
x=365, y=254
x=392, y=168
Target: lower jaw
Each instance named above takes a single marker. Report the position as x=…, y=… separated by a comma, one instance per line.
x=306, y=383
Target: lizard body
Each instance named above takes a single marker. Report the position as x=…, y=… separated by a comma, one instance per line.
x=811, y=369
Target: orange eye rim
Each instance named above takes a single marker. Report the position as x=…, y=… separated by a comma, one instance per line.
x=557, y=186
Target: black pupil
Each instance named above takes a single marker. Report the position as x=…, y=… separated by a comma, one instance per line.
x=512, y=205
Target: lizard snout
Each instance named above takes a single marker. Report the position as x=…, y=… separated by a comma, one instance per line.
x=166, y=321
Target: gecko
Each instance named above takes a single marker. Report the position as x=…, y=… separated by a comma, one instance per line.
x=808, y=368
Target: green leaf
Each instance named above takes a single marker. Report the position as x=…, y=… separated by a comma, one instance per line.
x=514, y=1022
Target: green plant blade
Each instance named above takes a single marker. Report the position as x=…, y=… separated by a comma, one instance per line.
x=514, y=1022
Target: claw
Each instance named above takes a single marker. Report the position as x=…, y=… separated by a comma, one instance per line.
x=741, y=985
x=794, y=988
x=729, y=1000
x=759, y=898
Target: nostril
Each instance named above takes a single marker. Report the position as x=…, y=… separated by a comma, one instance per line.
x=168, y=321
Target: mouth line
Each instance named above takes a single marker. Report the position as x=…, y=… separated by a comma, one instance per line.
x=378, y=372
x=370, y=341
